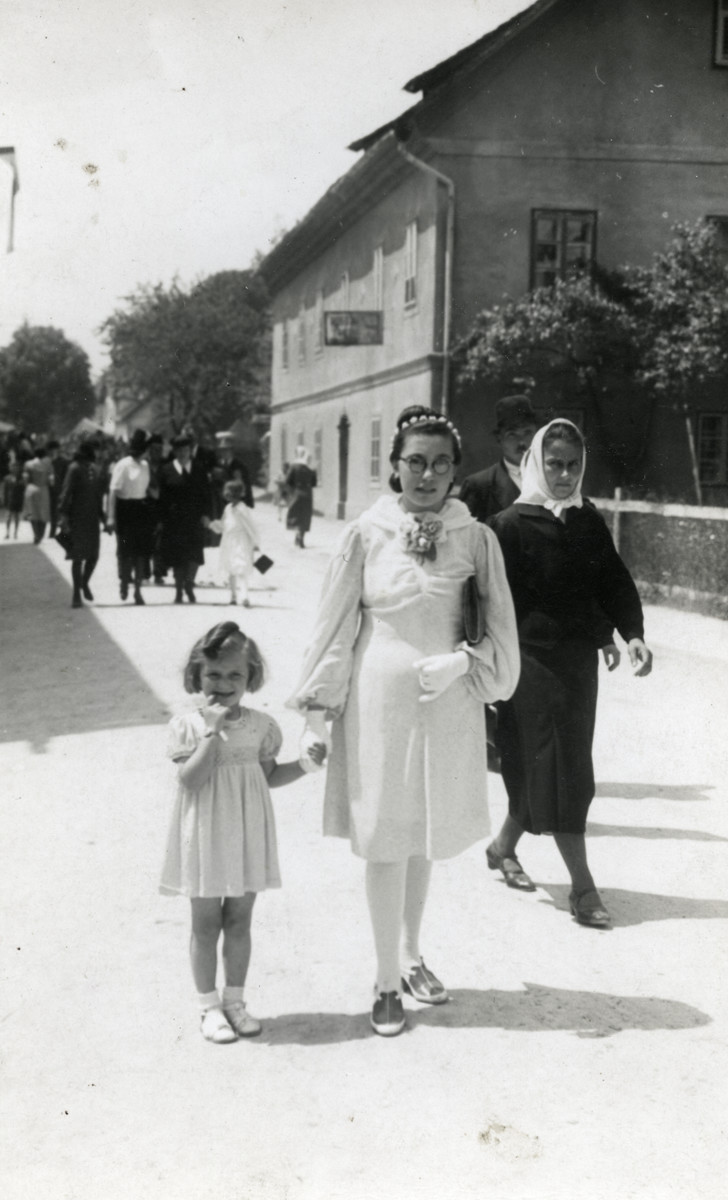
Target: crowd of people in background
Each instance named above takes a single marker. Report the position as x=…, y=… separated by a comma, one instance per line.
x=165, y=502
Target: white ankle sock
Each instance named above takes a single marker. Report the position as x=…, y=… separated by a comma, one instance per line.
x=231, y=995
x=208, y=1000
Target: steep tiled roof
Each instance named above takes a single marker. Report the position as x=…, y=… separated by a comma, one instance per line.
x=464, y=60
x=370, y=176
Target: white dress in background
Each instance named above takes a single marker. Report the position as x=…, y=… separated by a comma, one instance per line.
x=404, y=777
x=237, y=546
x=222, y=838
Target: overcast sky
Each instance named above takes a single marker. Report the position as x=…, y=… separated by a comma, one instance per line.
x=163, y=137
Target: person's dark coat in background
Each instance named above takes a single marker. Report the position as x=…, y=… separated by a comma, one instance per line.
x=184, y=499
x=81, y=505
x=300, y=482
x=488, y=492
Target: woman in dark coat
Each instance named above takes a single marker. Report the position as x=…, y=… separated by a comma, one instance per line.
x=564, y=574
x=81, y=513
x=300, y=482
x=185, y=508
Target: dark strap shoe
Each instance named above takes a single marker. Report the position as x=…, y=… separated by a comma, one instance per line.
x=511, y=870
x=588, y=909
x=387, y=1017
x=423, y=985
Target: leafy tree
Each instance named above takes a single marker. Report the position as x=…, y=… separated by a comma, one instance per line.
x=681, y=302
x=200, y=355
x=576, y=341
x=618, y=339
x=45, y=380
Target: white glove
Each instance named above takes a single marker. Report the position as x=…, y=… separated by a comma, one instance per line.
x=315, y=736
x=437, y=672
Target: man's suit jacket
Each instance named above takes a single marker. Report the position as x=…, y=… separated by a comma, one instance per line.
x=488, y=492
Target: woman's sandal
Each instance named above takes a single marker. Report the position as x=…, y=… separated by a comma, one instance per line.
x=511, y=869
x=423, y=985
x=588, y=909
x=215, y=1027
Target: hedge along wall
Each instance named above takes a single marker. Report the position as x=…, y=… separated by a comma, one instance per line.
x=677, y=553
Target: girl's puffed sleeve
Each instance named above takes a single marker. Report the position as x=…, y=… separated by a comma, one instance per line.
x=327, y=664
x=182, y=737
x=496, y=661
x=271, y=742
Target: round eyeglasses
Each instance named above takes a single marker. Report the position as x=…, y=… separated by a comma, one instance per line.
x=418, y=464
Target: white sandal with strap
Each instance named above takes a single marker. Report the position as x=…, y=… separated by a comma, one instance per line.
x=215, y=1027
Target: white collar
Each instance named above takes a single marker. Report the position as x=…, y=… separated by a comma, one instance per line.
x=387, y=513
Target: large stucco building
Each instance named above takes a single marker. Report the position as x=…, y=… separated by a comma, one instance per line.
x=579, y=129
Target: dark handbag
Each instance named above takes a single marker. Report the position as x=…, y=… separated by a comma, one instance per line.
x=65, y=541
x=473, y=621
x=263, y=564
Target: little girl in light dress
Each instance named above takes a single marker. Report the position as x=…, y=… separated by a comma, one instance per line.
x=221, y=849
x=238, y=544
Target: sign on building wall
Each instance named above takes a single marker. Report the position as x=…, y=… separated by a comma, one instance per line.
x=353, y=328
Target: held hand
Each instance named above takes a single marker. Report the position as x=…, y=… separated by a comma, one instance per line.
x=611, y=656
x=437, y=672
x=640, y=657
x=315, y=741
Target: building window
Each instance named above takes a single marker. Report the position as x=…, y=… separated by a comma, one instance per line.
x=301, y=337
x=318, y=453
x=410, y=265
x=284, y=446
x=713, y=448
x=344, y=291
x=318, y=322
x=721, y=33
x=285, y=349
x=375, y=451
x=378, y=277
x=562, y=244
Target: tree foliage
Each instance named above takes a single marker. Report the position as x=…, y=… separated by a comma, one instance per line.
x=618, y=340
x=45, y=381
x=681, y=303
x=200, y=355
x=665, y=325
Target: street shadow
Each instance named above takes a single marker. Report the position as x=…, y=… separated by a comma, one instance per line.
x=535, y=1009
x=637, y=908
x=659, y=833
x=62, y=673
x=655, y=791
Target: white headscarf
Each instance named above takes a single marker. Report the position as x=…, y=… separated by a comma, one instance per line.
x=534, y=488
x=303, y=456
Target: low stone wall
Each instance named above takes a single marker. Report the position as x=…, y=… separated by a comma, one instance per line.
x=677, y=553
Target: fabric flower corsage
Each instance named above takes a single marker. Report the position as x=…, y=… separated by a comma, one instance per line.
x=420, y=536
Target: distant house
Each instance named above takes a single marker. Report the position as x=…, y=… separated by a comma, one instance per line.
x=579, y=130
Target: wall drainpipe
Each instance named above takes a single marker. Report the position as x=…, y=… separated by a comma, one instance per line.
x=449, y=246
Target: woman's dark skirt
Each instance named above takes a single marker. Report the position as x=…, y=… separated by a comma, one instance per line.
x=545, y=735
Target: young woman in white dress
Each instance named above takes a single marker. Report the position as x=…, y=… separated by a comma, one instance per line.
x=407, y=775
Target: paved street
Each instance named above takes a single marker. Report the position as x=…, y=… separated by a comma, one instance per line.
x=570, y=1063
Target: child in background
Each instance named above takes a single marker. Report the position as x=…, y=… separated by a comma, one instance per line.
x=239, y=542
x=222, y=849
x=13, y=497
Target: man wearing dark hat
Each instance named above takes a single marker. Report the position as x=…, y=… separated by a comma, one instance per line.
x=185, y=504
x=490, y=491
x=129, y=515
